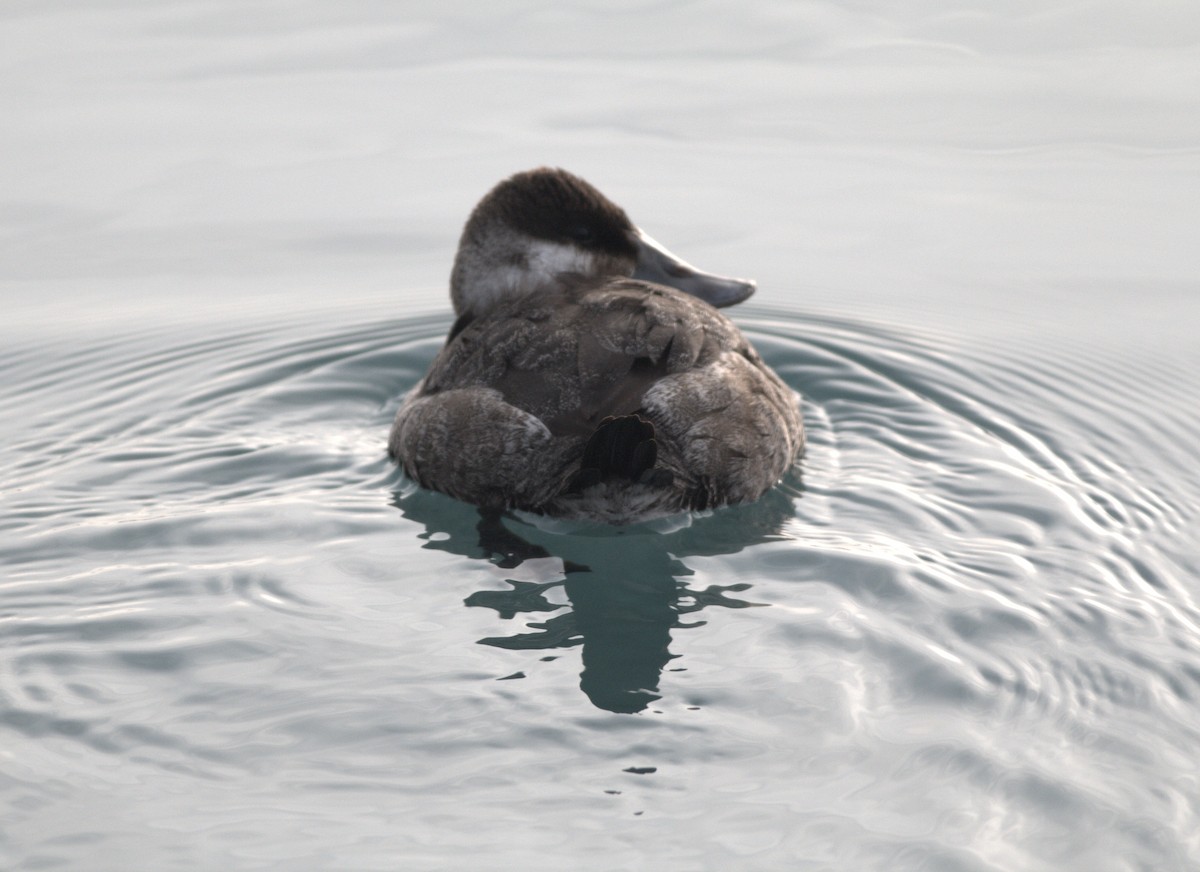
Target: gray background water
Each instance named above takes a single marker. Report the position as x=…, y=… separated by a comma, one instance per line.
x=966, y=637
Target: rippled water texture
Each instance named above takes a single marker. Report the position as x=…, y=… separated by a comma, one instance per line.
x=963, y=635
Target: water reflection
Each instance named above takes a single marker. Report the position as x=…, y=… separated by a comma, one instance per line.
x=627, y=589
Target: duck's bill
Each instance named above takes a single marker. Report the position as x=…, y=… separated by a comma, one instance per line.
x=656, y=264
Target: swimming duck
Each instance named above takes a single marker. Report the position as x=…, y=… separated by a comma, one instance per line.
x=589, y=374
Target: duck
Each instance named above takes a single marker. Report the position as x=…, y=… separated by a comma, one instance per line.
x=588, y=373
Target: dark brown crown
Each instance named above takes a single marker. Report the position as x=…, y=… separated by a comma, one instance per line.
x=554, y=205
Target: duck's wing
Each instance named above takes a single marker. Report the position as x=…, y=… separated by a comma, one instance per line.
x=577, y=357
x=470, y=443
x=634, y=335
x=473, y=427
x=727, y=426
x=514, y=396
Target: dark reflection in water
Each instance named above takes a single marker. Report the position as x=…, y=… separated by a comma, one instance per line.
x=627, y=588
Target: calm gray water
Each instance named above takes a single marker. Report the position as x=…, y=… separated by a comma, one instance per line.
x=963, y=635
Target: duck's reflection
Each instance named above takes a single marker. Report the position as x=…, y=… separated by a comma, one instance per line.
x=626, y=589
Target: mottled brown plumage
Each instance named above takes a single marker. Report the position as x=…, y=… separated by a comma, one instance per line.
x=583, y=392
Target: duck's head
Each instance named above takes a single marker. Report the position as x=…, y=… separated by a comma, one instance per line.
x=537, y=227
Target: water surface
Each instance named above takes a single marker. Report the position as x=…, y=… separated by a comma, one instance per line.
x=964, y=634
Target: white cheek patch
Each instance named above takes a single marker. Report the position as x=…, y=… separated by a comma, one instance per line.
x=548, y=260
x=540, y=266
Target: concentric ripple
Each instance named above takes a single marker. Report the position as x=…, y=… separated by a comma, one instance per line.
x=1021, y=490
x=977, y=589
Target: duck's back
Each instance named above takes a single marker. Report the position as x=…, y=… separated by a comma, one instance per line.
x=516, y=400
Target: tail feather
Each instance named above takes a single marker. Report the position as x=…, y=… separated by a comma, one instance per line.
x=621, y=448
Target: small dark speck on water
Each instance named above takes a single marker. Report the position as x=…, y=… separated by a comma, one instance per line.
x=613, y=792
x=510, y=677
x=641, y=770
